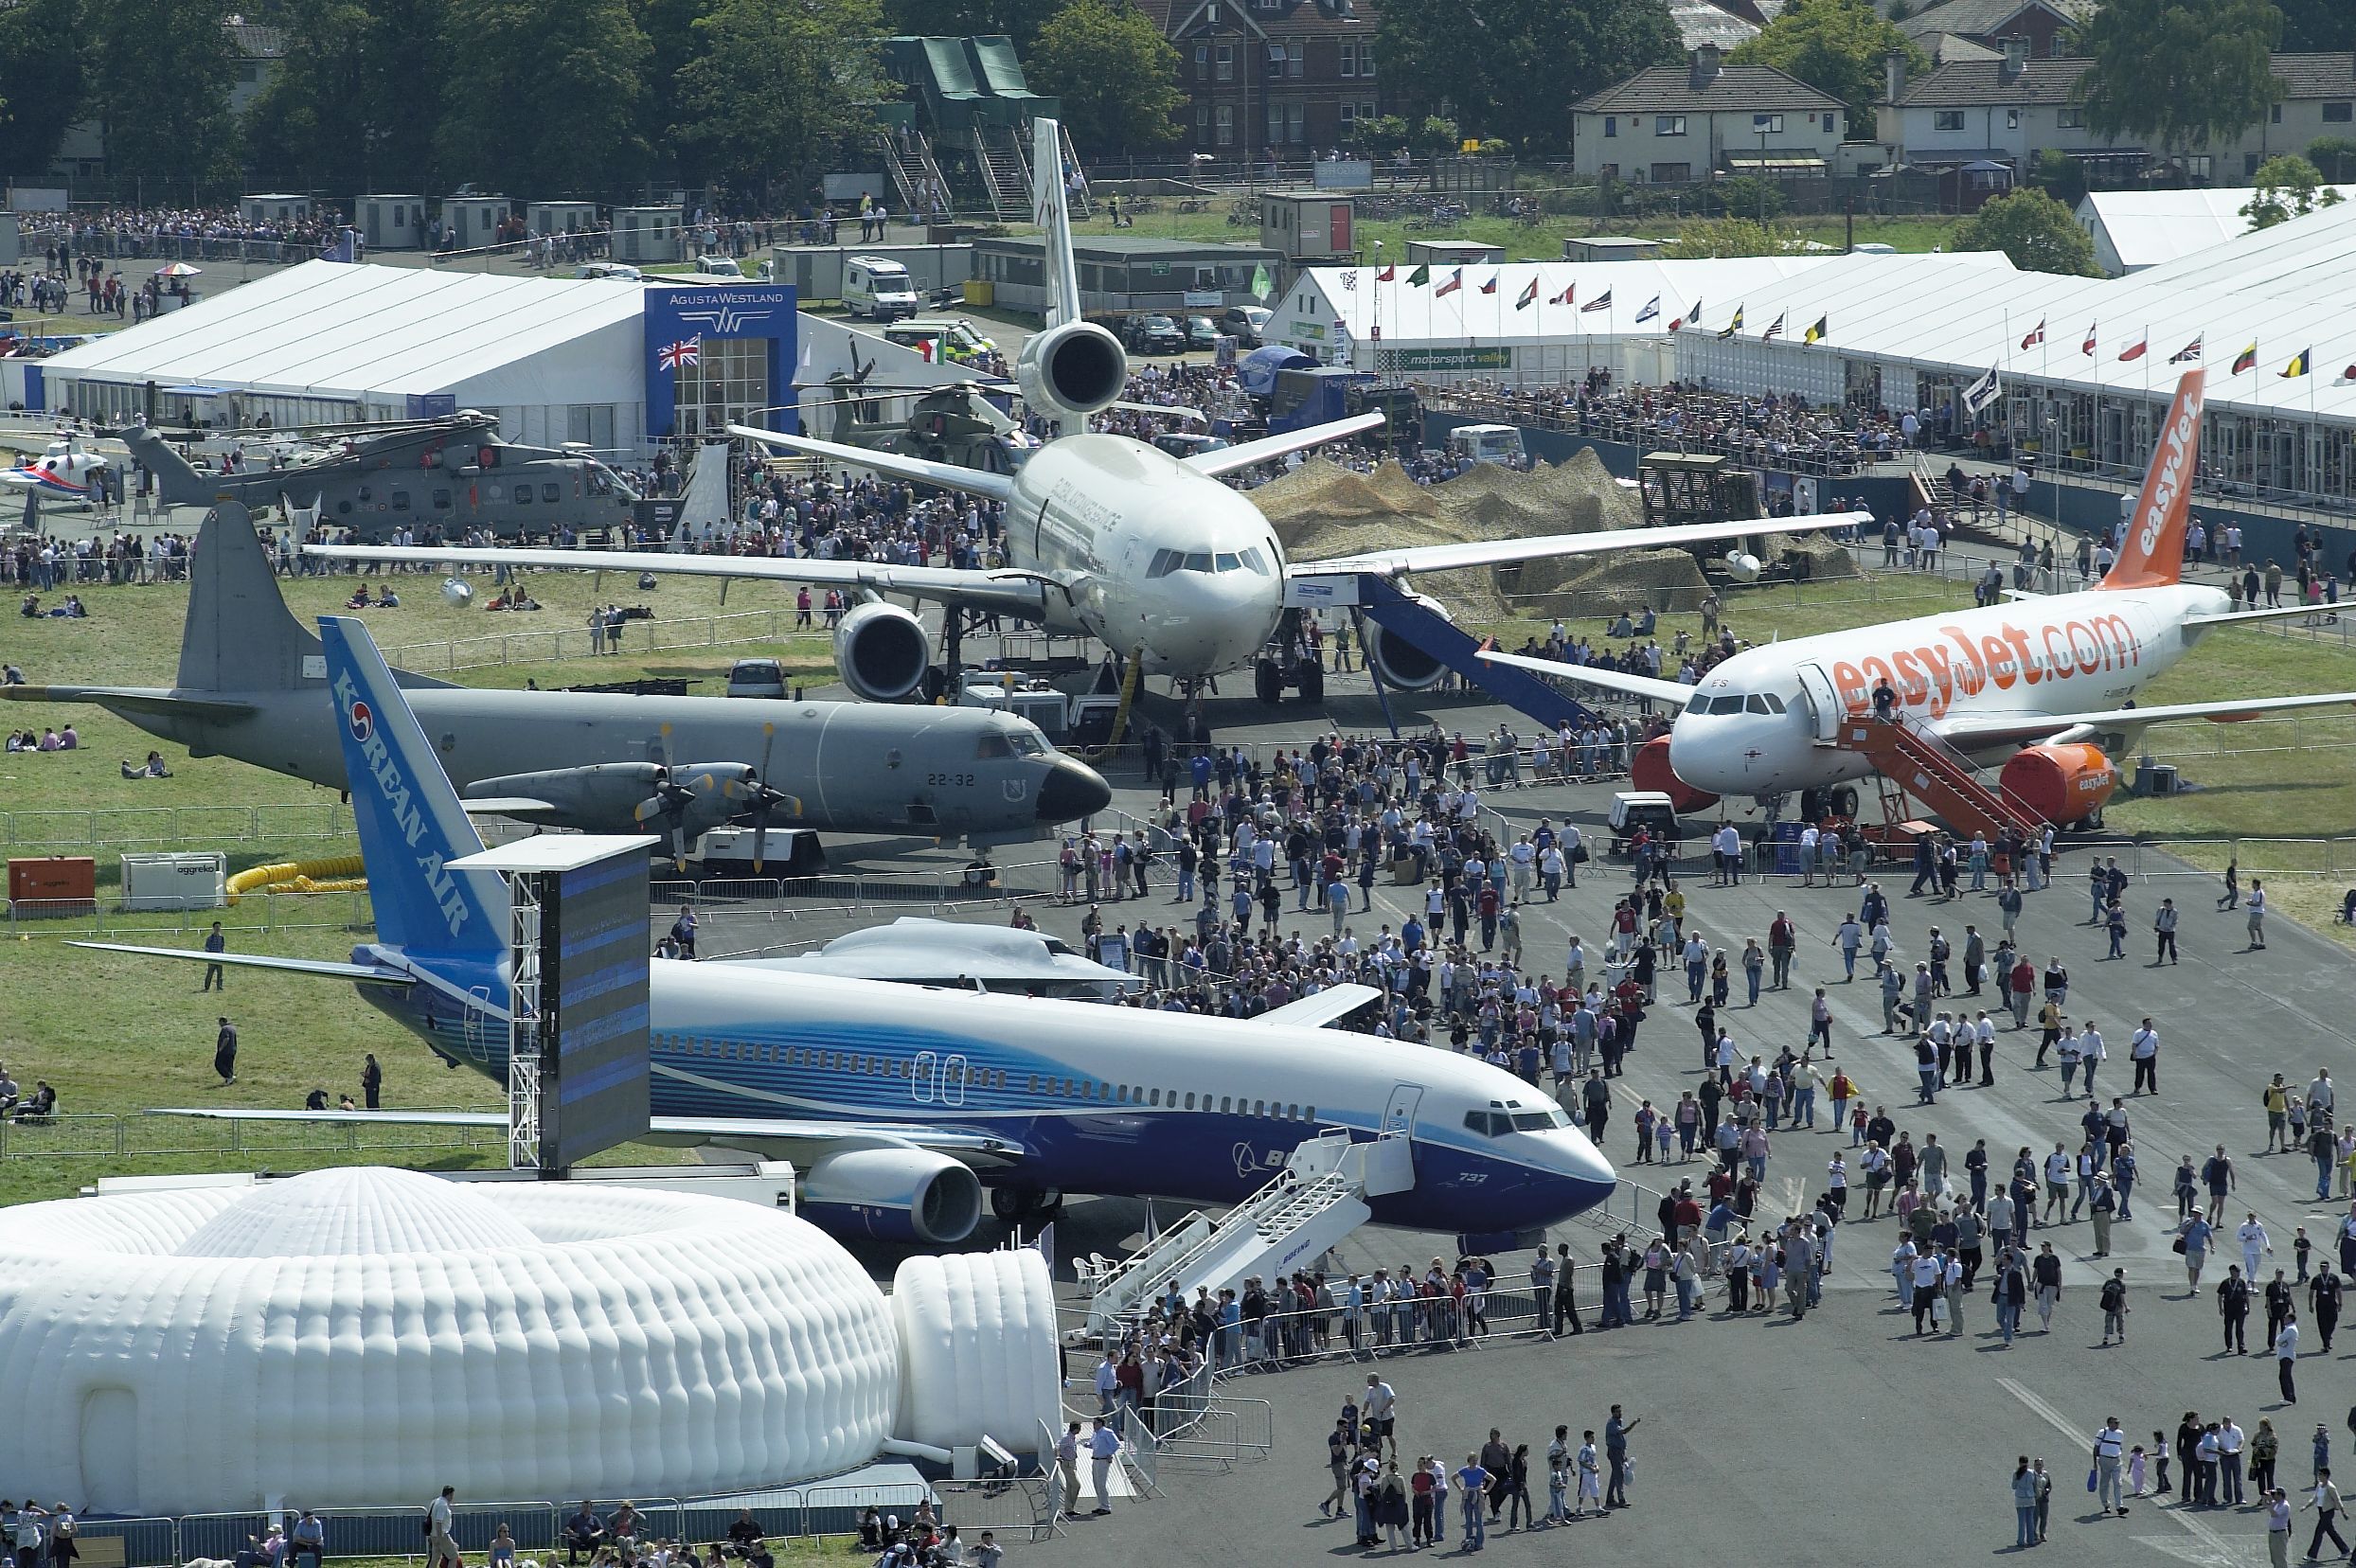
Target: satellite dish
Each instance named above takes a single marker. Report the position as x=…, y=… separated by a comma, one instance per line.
x=457, y=593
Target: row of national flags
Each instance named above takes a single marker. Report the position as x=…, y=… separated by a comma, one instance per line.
x=2300, y=364
x=1421, y=277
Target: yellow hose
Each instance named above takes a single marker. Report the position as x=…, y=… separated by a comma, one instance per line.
x=335, y=874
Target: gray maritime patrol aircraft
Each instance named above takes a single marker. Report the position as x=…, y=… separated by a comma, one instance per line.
x=252, y=685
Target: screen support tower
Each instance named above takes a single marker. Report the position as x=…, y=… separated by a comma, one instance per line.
x=577, y=982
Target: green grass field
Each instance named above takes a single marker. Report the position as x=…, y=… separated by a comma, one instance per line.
x=117, y=1034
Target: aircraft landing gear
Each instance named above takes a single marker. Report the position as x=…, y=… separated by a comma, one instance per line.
x=1267, y=681
x=1017, y=1202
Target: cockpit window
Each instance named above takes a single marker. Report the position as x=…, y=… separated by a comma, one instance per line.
x=1725, y=704
x=1164, y=562
x=1256, y=563
x=1756, y=704
x=1539, y=1121
x=1027, y=744
x=1775, y=703
x=1228, y=561
x=992, y=744
x=1497, y=1124
x=1198, y=561
x=1699, y=704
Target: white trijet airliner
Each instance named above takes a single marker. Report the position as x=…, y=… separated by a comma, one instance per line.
x=2054, y=674
x=900, y=1102
x=1106, y=536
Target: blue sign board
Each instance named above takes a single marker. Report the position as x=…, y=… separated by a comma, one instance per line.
x=679, y=321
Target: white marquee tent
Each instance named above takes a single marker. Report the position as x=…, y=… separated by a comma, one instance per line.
x=2134, y=229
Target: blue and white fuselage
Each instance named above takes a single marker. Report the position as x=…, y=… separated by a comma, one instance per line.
x=1083, y=1098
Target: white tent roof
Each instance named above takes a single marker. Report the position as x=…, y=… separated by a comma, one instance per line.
x=331, y=328
x=1410, y=313
x=2133, y=229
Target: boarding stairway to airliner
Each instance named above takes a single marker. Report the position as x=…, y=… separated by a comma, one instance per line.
x=1911, y=760
x=1319, y=1198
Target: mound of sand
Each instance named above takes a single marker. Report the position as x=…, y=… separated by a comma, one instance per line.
x=1322, y=511
x=1825, y=559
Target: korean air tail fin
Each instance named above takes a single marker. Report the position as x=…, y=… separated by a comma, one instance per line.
x=1055, y=222
x=2152, y=554
x=411, y=825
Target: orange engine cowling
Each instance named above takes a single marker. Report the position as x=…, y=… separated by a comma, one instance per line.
x=1650, y=771
x=2064, y=784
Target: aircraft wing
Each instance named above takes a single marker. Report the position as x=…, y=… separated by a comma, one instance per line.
x=1011, y=593
x=2280, y=611
x=793, y=1138
x=1968, y=734
x=1329, y=1006
x=134, y=699
x=922, y=471
x=522, y=807
x=1227, y=459
x=363, y=975
x=1497, y=552
x=1673, y=692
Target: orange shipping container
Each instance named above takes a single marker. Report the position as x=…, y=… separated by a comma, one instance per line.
x=51, y=887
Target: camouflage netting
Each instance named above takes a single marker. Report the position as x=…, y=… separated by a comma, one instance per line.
x=1825, y=559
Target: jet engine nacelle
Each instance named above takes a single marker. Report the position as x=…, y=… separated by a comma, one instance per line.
x=1743, y=566
x=1072, y=370
x=2064, y=784
x=881, y=651
x=1400, y=663
x=893, y=1195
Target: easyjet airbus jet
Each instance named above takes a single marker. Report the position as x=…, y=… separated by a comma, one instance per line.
x=2045, y=681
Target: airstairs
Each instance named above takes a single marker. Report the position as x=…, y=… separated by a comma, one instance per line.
x=1319, y=1198
x=1910, y=759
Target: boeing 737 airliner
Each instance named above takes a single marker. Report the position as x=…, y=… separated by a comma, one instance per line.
x=899, y=1102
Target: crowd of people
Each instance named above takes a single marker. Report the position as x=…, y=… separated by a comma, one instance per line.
x=1782, y=432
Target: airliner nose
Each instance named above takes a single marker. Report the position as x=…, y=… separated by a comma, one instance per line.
x=1072, y=790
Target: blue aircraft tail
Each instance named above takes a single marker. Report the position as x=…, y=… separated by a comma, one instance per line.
x=411, y=825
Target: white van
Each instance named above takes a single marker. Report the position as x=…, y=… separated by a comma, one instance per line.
x=1487, y=443
x=878, y=289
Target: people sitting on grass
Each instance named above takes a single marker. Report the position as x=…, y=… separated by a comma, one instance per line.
x=153, y=768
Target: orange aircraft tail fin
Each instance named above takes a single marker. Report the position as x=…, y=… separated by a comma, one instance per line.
x=2152, y=554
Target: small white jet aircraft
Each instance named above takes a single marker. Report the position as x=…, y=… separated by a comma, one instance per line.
x=2046, y=681
x=1107, y=536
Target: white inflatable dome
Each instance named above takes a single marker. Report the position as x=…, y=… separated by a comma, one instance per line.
x=366, y=1335
x=977, y=1343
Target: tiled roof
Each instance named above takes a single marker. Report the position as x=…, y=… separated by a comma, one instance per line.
x=1290, y=19
x=254, y=40
x=1985, y=18
x=1735, y=89
x=1972, y=84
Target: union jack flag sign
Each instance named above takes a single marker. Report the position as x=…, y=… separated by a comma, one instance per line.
x=676, y=356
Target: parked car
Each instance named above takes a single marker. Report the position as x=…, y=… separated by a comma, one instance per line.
x=1246, y=324
x=1154, y=334
x=757, y=678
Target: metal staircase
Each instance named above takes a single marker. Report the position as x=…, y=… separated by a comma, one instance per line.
x=1079, y=198
x=1005, y=172
x=1911, y=760
x=1409, y=620
x=1319, y=1199
x=908, y=158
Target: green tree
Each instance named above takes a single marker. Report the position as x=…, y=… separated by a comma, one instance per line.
x=1115, y=73
x=2317, y=26
x=2334, y=155
x=540, y=97
x=2182, y=73
x=1835, y=47
x=41, y=86
x=672, y=44
x=779, y=88
x=2033, y=228
x=2288, y=187
x=1513, y=68
x=159, y=74
x=309, y=129
x=1019, y=20
x=2061, y=176
x=1713, y=236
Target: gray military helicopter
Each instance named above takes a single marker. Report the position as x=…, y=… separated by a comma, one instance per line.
x=953, y=424
x=452, y=472
x=252, y=685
